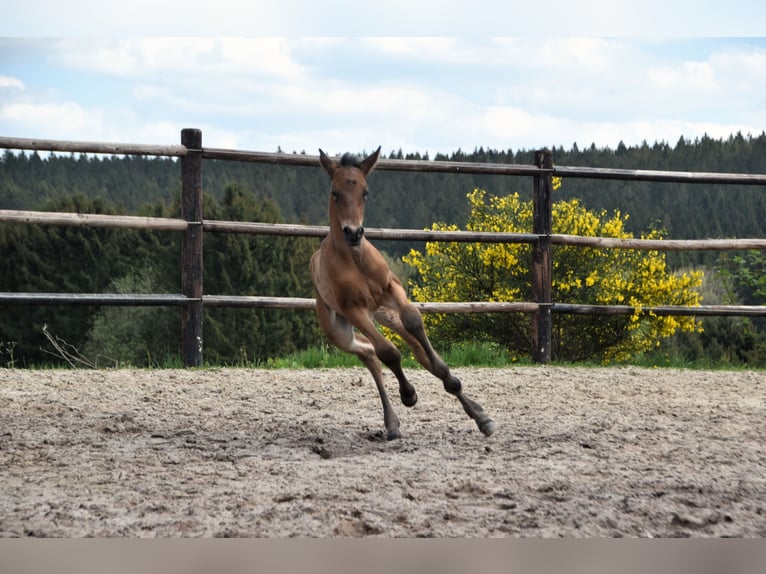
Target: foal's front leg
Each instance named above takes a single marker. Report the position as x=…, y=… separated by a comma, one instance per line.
x=386, y=351
x=341, y=334
x=366, y=353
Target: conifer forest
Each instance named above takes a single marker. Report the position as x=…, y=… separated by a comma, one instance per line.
x=91, y=260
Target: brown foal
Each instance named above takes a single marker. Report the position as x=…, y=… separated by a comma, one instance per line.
x=355, y=287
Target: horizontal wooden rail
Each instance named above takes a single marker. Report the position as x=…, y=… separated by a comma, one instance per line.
x=702, y=310
x=430, y=166
x=252, y=228
x=320, y=231
x=478, y=307
x=95, y=299
x=92, y=147
x=370, y=232
x=92, y=220
x=659, y=244
x=660, y=176
x=429, y=307
x=258, y=302
x=302, y=303
x=500, y=307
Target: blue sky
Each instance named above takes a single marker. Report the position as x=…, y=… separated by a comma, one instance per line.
x=418, y=76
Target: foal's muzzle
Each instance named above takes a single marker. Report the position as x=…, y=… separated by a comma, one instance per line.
x=353, y=236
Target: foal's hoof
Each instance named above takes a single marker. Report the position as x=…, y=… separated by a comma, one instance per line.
x=409, y=400
x=393, y=434
x=487, y=427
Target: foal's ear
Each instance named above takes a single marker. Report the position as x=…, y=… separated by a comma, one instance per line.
x=328, y=164
x=369, y=162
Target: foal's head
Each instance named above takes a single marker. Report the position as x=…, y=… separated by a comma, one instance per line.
x=348, y=193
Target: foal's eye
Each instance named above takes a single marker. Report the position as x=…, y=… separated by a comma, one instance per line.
x=365, y=193
x=335, y=195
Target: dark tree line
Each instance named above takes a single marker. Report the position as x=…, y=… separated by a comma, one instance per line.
x=49, y=258
x=94, y=260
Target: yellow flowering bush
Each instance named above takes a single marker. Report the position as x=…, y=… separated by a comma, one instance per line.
x=502, y=272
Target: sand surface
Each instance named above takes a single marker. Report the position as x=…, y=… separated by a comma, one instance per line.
x=278, y=453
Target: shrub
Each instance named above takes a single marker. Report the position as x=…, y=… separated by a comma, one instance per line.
x=501, y=272
x=137, y=336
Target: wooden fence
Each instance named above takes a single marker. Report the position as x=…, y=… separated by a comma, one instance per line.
x=192, y=225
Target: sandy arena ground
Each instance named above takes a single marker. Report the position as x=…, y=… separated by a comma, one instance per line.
x=578, y=452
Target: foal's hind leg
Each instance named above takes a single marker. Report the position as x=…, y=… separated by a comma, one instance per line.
x=341, y=334
x=413, y=331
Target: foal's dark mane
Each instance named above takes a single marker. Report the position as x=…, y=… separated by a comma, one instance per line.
x=350, y=160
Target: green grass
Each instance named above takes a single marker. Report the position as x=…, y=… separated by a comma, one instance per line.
x=476, y=354
x=463, y=355
x=469, y=354
x=479, y=354
x=313, y=358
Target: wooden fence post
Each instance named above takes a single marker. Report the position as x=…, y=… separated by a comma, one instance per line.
x=542, y=326
x=191, y=247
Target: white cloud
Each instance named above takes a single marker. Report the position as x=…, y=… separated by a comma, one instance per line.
x=580, y=55
x=590, y=55
x=440, y=49
x=686, y=77
x=742, y=71
x=8, y=82
x=202, y=57
x=56, y=118
x=521, y=124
